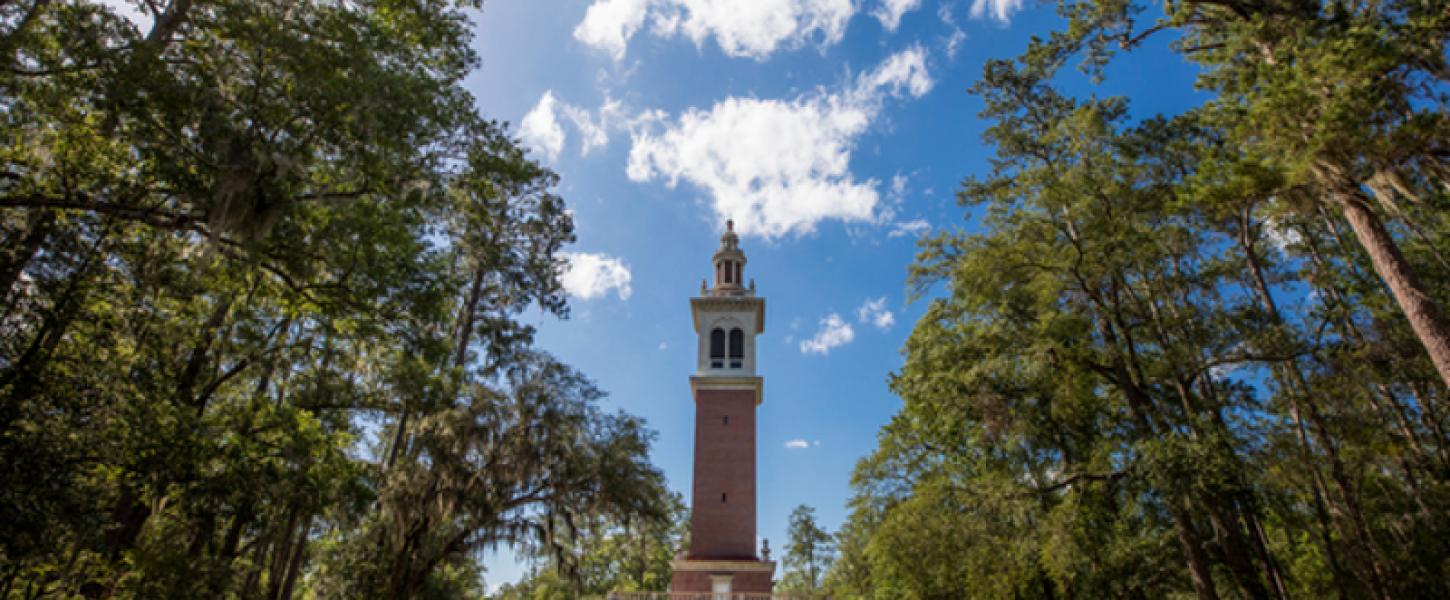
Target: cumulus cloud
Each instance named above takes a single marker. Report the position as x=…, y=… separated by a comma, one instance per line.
x=753, y=28
x=875, y=313
x=889, y=12
x=778, y=166
x=587, y=275
x=608, y=24
x=593, y=127
x=998, y=10
x=834, y=333
x=901, y=73
x=913, y=228
x=797, y=444
x=540, y=128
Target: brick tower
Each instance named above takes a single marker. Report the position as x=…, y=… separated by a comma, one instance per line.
x=721, y=558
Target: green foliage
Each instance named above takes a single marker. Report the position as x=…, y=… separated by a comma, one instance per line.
x=608, y=554
x=809, y=552
x=1120, y=387
x=263, y=265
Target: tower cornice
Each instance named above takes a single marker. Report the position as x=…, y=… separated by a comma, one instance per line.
x=728, y=382
x=729, y=303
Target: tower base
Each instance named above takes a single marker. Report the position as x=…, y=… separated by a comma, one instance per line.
x=703, y=576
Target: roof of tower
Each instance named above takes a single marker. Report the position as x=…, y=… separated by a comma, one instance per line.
x=729, y=244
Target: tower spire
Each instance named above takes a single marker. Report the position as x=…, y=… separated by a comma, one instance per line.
x=729, y=264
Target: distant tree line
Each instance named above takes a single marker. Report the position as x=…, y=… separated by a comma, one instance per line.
x=1202, y=355
x=262, y=267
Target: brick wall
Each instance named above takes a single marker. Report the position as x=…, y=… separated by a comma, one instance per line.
x=752, y=582
x=722, y=518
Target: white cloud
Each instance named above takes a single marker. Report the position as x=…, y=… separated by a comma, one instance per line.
x=953, y=41
x=587, y=275
x=140, y=18
x=898, y=185
x=889, y=12
x=875, y=313
x=1280, y=235
x=895, y=196
x=608, y=24
x=540, y=128
x=904, y=71
x=778, y=166
x=913, y=228
x=754, y=28
x=797, y=444
x=999, y=10
x=664, y=346
x=834, y=333
x=594, y=127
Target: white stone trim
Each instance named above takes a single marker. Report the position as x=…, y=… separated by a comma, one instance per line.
x=756, y=384
x=724, y=566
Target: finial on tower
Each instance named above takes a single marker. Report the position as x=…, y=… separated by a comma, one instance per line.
x=729, y=264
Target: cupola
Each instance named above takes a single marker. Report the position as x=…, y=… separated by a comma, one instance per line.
x=729, y=264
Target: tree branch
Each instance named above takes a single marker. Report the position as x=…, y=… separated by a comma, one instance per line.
x=151, y=216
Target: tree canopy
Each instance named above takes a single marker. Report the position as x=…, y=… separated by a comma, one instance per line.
x=1186, y=355
x=263, y=265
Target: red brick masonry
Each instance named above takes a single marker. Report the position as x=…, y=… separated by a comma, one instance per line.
x=722, y=521
x=753, y=582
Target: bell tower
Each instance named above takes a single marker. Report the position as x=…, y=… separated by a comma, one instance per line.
x=727, y=318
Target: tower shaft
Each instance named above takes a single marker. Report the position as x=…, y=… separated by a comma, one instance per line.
x=727, y=393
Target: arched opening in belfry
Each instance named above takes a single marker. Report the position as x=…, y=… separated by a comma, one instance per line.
x=737, y=348
x=717, y=348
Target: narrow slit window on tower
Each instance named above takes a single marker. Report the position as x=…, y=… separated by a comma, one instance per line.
x=737, y=348
x=737, y=273
x=717, y=348
x=725, y=419
x=729, y=272
x=722, y=496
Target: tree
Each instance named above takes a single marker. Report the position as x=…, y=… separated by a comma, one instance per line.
x=263, y=266
x=605, y=554
x=1346, y=101
x=1106, y=399
x=808, y=553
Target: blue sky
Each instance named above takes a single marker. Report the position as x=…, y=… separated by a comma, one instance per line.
x=834, y=132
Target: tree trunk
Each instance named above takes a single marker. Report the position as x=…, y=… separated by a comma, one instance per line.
x=1377, y=573
x=1425, y=317
x=281, y=557
x=1188, y=540
x=18, y=255
x=1298, y=390
x=299, y=556
x=465, y=318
